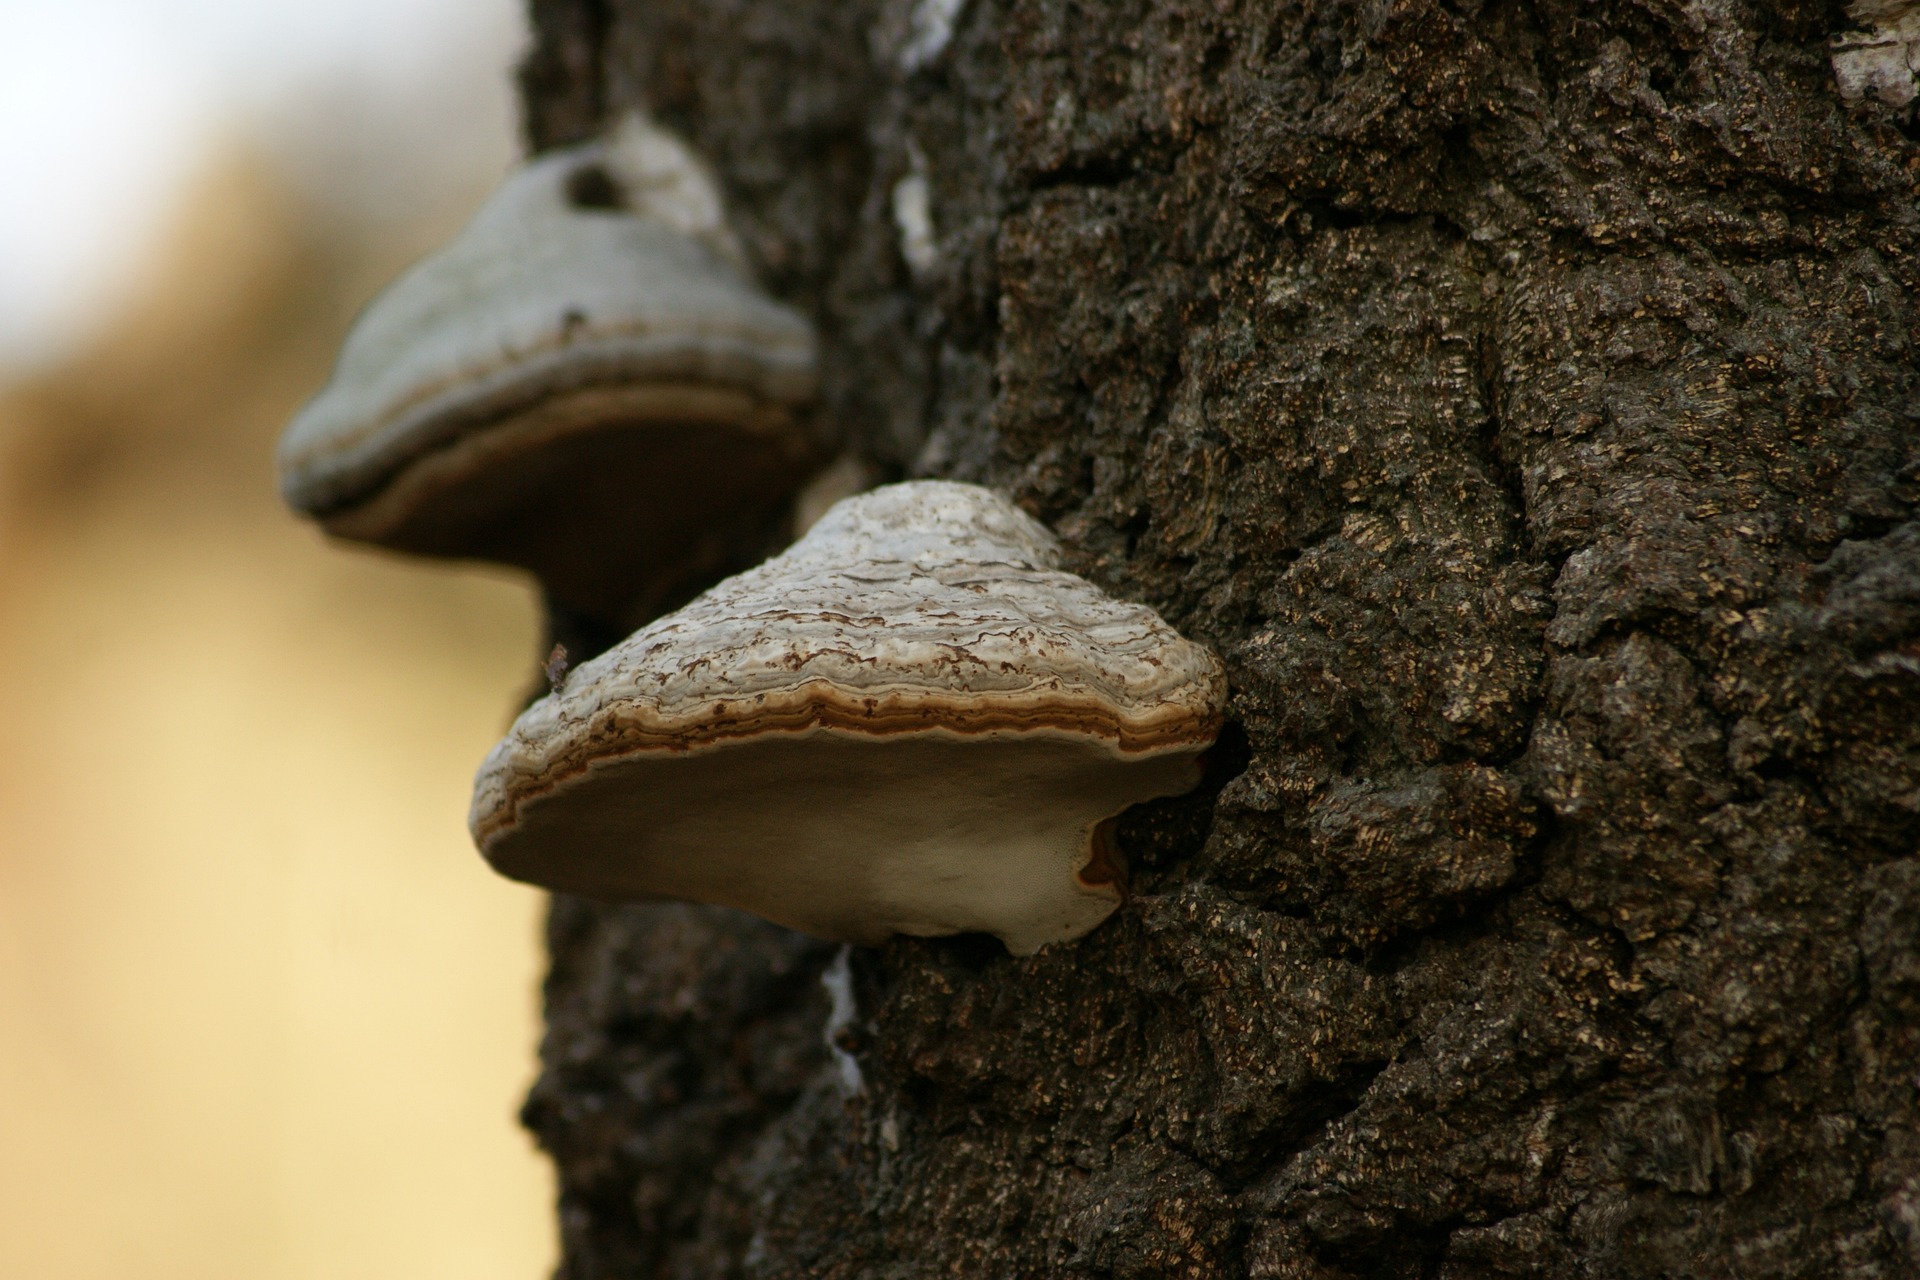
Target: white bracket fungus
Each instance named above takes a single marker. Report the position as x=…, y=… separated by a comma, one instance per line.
x=583, y=382
x=1880, y=59
x=910, y=722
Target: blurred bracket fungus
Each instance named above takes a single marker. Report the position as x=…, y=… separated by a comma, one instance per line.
x=1880, y=58
x=910, y=722
x=584, y=382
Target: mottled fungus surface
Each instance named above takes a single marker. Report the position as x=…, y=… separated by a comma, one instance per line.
x=910, y=722
x=584, y=382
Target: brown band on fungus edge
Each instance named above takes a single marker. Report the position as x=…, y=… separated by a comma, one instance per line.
x=868, y=715
x=818, y=703
x=526, y=418
x=1106, y=864
x=617, y=740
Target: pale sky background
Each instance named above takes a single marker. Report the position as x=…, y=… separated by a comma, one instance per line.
x=110, y=108
x=264, y=1013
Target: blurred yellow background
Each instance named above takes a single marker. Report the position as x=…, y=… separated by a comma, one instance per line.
x=263, y=1011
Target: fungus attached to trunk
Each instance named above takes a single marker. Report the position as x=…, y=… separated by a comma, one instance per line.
x=910, y=722
x=584, y=382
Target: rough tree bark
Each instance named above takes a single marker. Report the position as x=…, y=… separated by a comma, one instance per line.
x=1519, y=395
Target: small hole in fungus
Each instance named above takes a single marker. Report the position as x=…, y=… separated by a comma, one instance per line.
x=1106, y=866
x=592, y=187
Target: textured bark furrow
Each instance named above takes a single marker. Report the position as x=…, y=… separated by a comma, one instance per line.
x=1521, y=398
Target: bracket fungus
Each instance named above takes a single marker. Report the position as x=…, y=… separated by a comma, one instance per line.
x=584, y=382
x=1880, y=57
x=912, y=721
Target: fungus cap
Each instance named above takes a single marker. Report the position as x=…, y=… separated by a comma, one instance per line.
x=910, y=722
x=585, y=365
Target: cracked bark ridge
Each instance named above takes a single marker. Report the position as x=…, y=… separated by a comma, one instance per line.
x=1521, y=398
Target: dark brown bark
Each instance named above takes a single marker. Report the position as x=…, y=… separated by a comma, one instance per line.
x=1521, y=398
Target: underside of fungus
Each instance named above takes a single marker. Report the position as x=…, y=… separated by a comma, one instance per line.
x=911, y=722
x=584, y=382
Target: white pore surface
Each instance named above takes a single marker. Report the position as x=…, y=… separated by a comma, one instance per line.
x=849, y=837
x=535, y=295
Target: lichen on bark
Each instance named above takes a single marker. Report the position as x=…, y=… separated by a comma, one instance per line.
x=1520, y=397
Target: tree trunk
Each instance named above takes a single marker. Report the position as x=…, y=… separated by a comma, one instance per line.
x=1520, y=398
